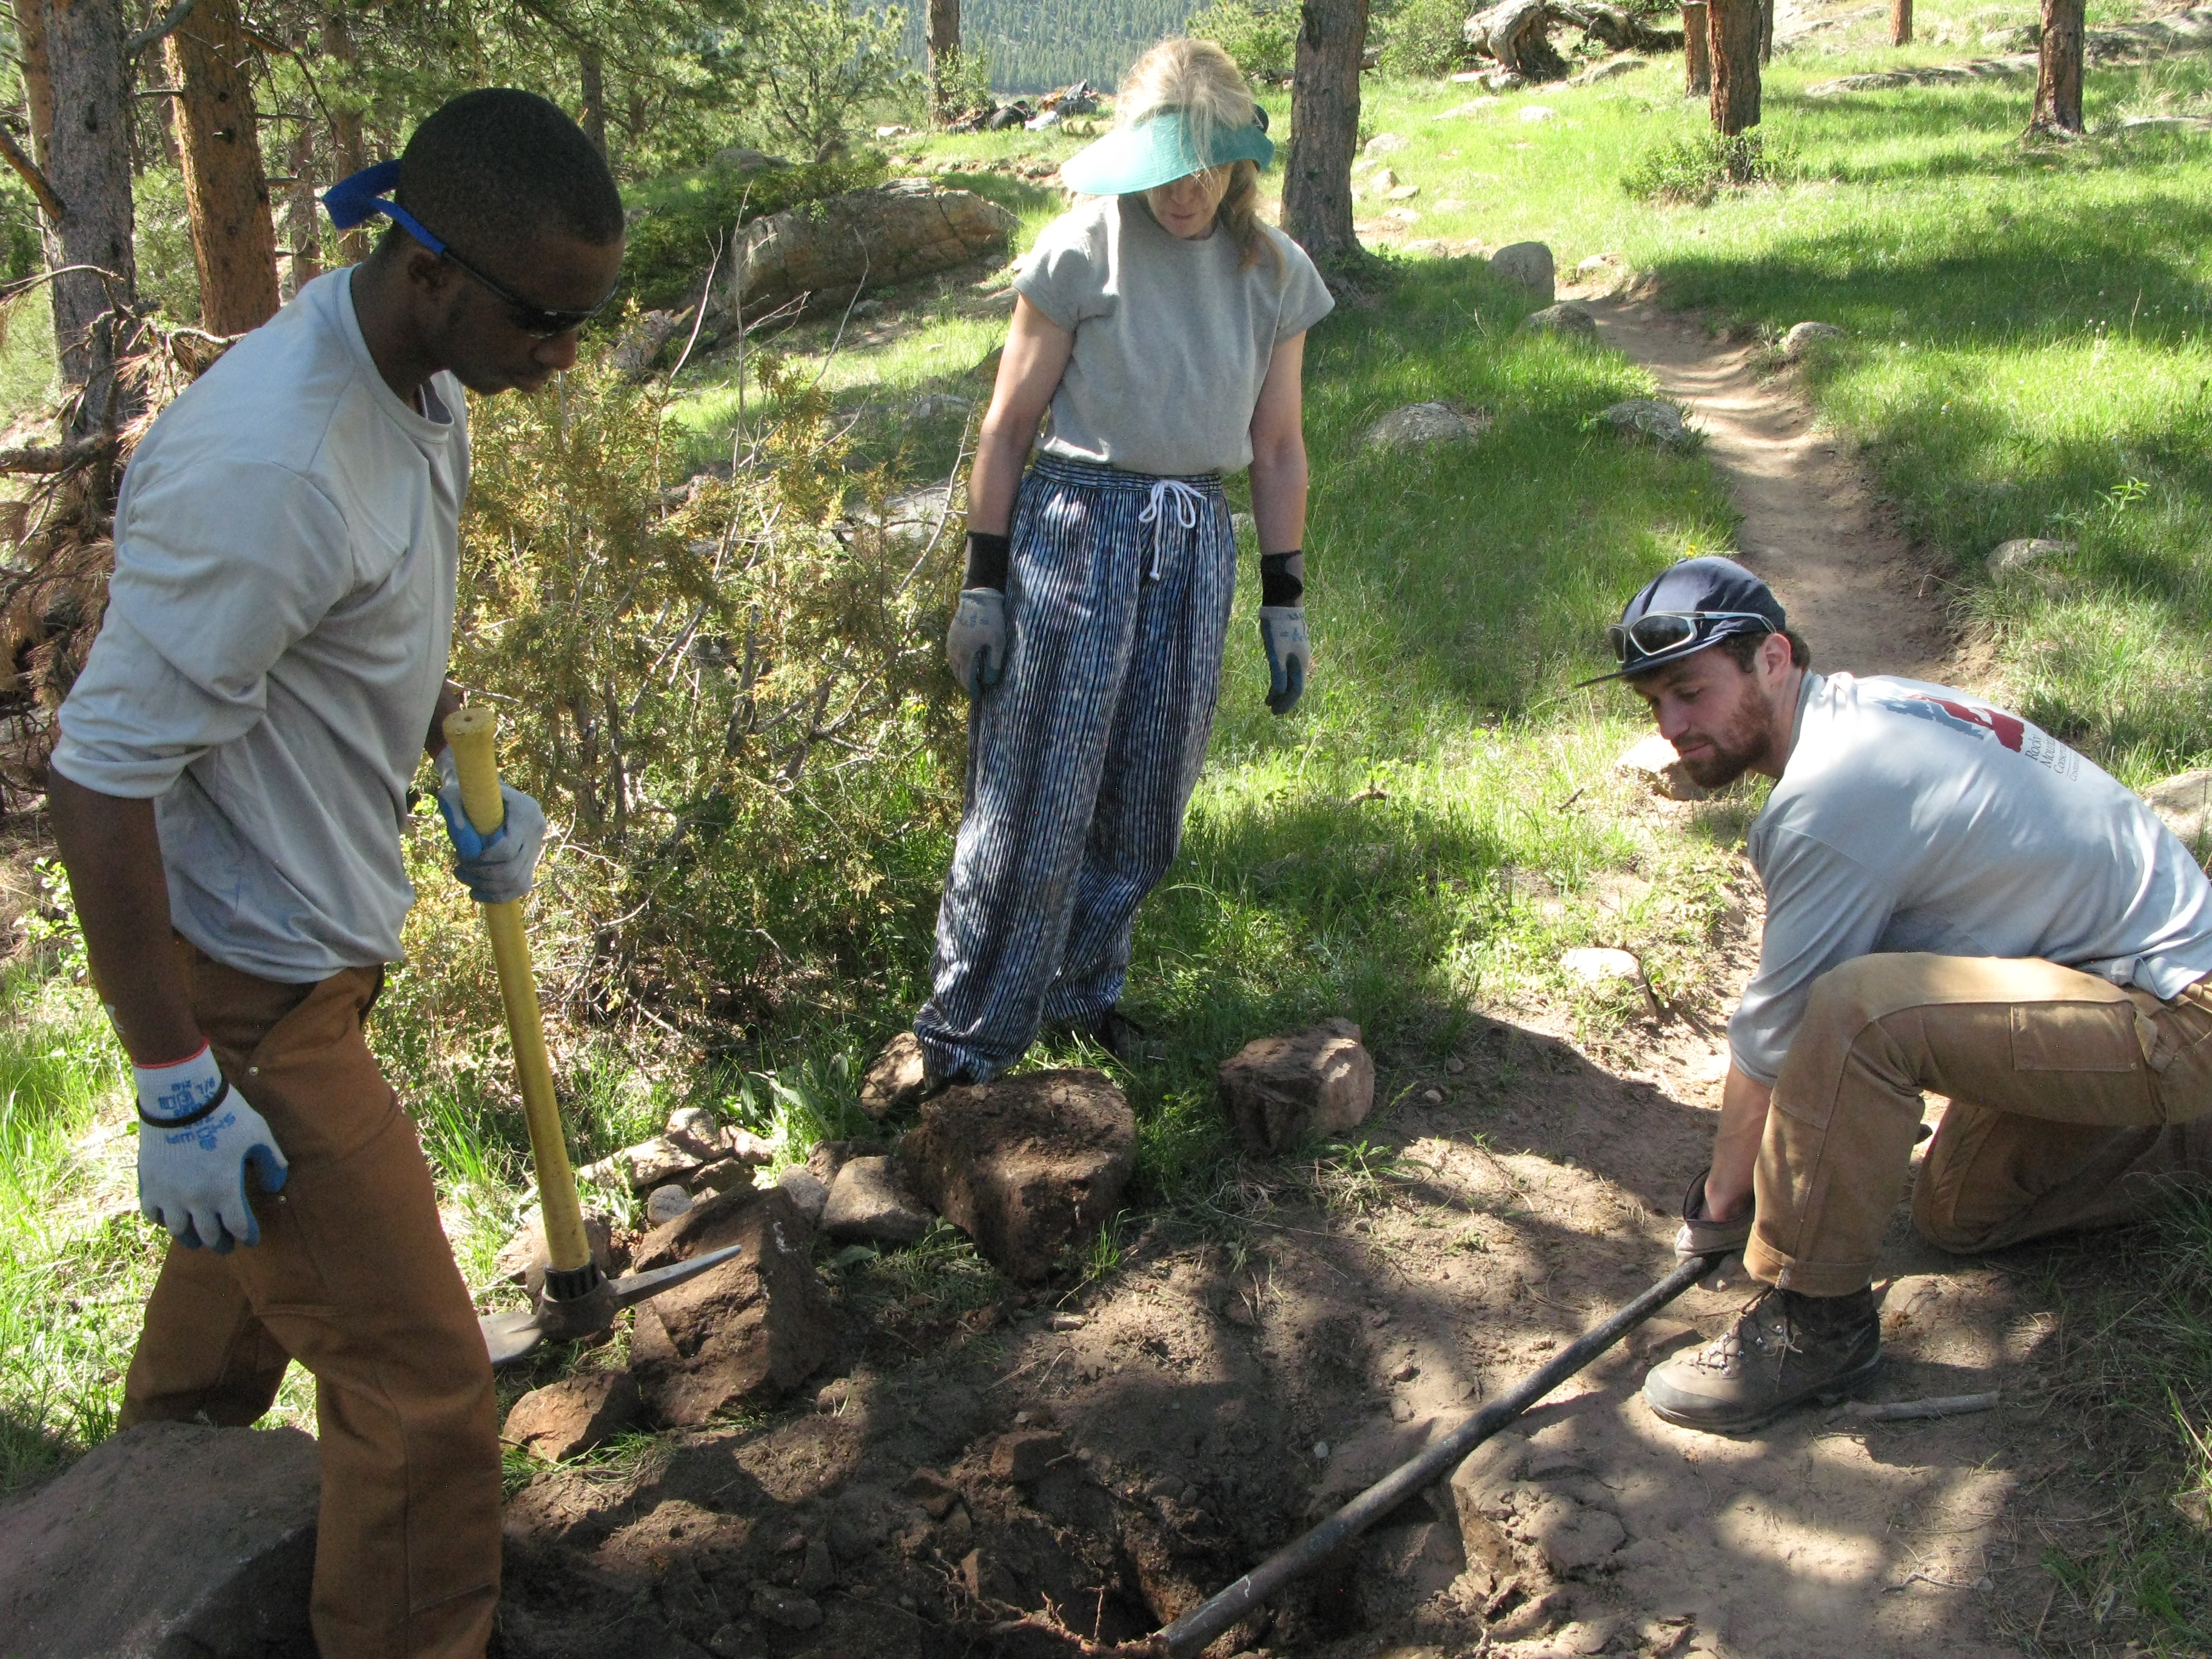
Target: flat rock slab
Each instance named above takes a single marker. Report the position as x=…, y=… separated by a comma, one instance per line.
x=743, y=1333
x=1277, y=1091
x=562, y=1418
x=1417, y=425
x=1026, y=1165
x=171, y=1540
x=869, y=1202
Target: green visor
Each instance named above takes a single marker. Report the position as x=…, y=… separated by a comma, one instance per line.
x=1156, y=152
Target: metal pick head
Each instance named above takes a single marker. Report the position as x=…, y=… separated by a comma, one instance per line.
x=512, y=1336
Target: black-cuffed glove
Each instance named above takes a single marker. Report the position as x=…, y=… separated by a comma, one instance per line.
x=976, y=643
x=1283, y=627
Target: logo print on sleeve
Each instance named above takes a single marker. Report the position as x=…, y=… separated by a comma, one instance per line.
x=1978, y=719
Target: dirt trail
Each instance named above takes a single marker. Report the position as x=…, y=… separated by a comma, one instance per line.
x=1811, y=526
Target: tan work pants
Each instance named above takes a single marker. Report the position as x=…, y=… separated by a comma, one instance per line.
x=2074, y=1103
x=352, y=1278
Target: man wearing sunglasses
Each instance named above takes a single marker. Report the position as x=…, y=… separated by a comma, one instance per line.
x=228, y=792
x=1955, y=903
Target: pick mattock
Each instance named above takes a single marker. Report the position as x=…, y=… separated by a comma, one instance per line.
x=578, y=1299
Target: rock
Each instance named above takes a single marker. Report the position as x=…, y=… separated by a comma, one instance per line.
x=1609, y=69
x=1277, y=1091
x=1572, y=1536
x=1528, y=263
x=1804, y=337
x=747, y=1147
x=724, y=1175
x=1568, y=319
x=1025, y=1455
x=1385, y=180
x=2185, y=802
x=643, y=342
x=932, y=405
x=574, y=1415
x=1043, y=120
x=664, y=1203
x=830, y=1155
x=869, y=1201
x=1593, y=965
x=1025, y=1165
x=743, y=1333
x=1387, y=143
x=1402, y=192
x=1531, y=114
x=817, y=1571
x=790, y=1608
x=1597, y=265
x=521, y=1260
x=2019, y=554
x=896, y=1078
x=878, y=236
x=1655, y=761
x=808, y=1192
x=1243, y=525
x=1503, y=80
x=1647, y=416
x=648, y=1164
x=736, y=158
x=1417, y=425
x=936, y=1494
x=169, y=1541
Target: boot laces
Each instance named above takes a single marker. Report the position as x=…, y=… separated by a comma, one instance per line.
x=1755, y=1331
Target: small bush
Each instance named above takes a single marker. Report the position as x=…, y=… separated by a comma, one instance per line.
x=1694, y=170
x=1262, y=35
x=1423, y=40
x=674, y=221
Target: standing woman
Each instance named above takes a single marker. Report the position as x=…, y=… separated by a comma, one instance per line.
x=1163, y=327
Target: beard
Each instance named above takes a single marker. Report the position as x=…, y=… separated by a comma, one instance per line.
x=1734, y=747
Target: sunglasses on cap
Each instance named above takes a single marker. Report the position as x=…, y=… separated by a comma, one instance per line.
x=352, y=201
x=1670, y=633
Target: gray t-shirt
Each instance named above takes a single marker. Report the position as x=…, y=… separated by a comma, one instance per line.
x=1172, y=338
x=1912, y=817
x=286, y=548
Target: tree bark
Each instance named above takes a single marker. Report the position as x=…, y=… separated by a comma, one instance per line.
x=226, y=189
x=90, y=168
x=2059, y=70
x=1900, y=23
x=38, y=77
x=944, y=56
x=1766, y=32
x=303, y=235
x=593, y=68
x=349, y=154
x=1735, y=39
x=1324, y=130
x=1697, y=51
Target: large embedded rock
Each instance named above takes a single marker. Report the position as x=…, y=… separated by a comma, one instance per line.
x=743, y=1333
x=2185, y=802
x=869, y=1202
x=865, y=238
x=1026, y=1165
x=2024, y=551
x=650, y=1164
x=1279, y=1090
x=574, y=1415
x=1648, y=417
x=1804, y=337
x=1530, y=264
x=1566, y=318
x=1419, y=425
x=168, y=1541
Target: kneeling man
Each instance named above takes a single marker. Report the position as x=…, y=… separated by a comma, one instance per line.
x=1957, y=903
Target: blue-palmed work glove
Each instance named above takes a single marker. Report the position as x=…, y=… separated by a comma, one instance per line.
x=497, y=867
x=1289, y=655
x=975, y=644
x=197, y=1140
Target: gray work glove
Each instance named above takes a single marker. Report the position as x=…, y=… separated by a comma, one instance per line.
x=975, y=644
x=498, y=867
x=1699, y=1235
x=1290, y=656
x=197, y=1140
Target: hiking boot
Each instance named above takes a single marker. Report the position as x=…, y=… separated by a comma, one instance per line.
x=1783, y=1349
x=1123, y=1038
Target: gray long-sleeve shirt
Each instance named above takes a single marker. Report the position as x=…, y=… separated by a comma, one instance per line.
x=1911, y=817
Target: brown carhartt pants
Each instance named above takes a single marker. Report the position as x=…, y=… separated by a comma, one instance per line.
x=352, y=1278
x=2074, y=1103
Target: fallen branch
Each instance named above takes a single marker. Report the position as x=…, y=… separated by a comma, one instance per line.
x=1898, y=1411
x=59, y=458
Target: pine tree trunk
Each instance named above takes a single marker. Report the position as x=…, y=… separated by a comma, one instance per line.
x=1900, y=23
x=1765, y=31
x=2058, y=72
x=226, y=190
x=349, y=155
x=89, y=164
x=944, y=56
x=303, y=234
x=1324, y=130
x=38, y=77
x=1696, y=50
x=593, y=68
x=1734, y=35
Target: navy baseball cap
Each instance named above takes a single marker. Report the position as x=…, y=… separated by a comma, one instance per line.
x=1685, y=609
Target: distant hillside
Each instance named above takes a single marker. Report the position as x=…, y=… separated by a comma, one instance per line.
x=1037, y=45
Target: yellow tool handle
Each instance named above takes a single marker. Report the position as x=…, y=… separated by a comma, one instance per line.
x=474, y=735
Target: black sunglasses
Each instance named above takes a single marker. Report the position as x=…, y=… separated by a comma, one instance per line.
x=534, y=320
x=1657, y=633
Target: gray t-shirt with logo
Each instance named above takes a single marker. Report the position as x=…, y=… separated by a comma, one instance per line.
x=1911, y=817
x=1173, y=337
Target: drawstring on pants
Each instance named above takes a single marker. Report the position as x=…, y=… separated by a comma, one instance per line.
x=1187, y=502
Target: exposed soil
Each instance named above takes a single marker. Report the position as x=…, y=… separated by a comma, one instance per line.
x=1095, y=1465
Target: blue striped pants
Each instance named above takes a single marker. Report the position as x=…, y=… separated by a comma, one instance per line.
x=1081, y=759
